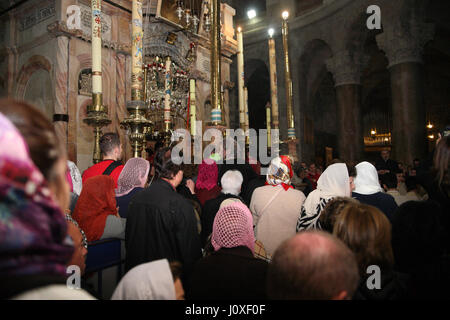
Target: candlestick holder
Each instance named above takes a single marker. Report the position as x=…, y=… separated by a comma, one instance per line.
x=137, y=126
x=97, y=117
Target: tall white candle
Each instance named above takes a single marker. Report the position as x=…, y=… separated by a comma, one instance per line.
x=167, y=95
x=192, y=105
x=136, y=51
x=96, y=6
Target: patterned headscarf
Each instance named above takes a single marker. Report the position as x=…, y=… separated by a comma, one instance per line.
x=75, y=177
x=134, y=174
x=233, y=227
x=208, y=174
x=96, y=202
x=333, y=182
x=280, y=172
x=33, y=230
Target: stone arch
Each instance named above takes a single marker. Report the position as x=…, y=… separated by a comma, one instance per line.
x=34, y=63
x=317, y=98
x=257, y=81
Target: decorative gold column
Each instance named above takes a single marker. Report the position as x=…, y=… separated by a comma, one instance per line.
x=97, y=113
x=268, y=125
x=273, y=80
x=136, y=124
x=240, y=67
x=216, y=100
x=287, y=72
x=246, y=126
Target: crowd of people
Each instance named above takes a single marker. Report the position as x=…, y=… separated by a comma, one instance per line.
x=363, y=231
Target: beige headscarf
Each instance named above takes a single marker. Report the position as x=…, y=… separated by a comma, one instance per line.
x=148, y=281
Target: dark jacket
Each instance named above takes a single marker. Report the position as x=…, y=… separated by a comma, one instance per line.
x=123, y=201
x=229, y=273
x=385, y=202
x=161, y=224
x=254, y=183
x=390, y=165
x=393, y=286
x=209, y=212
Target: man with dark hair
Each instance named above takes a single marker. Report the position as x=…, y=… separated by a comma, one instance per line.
x=161, y=223
x=111, y=150
x=301, y=182
x=313, y=265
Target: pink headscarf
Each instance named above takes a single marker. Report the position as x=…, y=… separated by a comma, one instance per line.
x=208, y=174
x=233, y=227
x=134, y=174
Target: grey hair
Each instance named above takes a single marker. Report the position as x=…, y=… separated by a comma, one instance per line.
x=231, y=182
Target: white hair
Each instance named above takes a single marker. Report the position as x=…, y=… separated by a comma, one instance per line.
x=231, y=182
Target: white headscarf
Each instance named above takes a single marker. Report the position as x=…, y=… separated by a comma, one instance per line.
x=366, y=181
x=147, y=281
x=76, y=177
x=333, y=182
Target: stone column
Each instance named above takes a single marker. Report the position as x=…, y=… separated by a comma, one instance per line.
x=346, y=69
x=61, y=89
x=403, y=48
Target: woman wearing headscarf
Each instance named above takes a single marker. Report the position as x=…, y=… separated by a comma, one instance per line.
x=368, y=190
x=231, y=272
x=333, y=182
x=148, y=281
x=34, y=247
x=132, y=179
x=276, y=205
x=206, y=187
x=96, y=211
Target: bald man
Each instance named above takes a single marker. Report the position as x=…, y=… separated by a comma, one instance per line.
x=312, y=265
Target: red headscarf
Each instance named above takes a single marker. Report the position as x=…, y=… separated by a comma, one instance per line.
x=96, y=202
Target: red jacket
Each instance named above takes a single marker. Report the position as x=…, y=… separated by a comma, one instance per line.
x=99, y=168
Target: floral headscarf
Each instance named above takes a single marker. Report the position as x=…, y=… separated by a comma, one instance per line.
x=208, y=174
x=33, y=230
x=134, y=174
x=280, y=172
x=233, y=227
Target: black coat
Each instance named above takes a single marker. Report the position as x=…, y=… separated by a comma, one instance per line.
x=390, y=165
x=161, y=224
x=230, y=273
x=209, y=212
x=393, y=286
